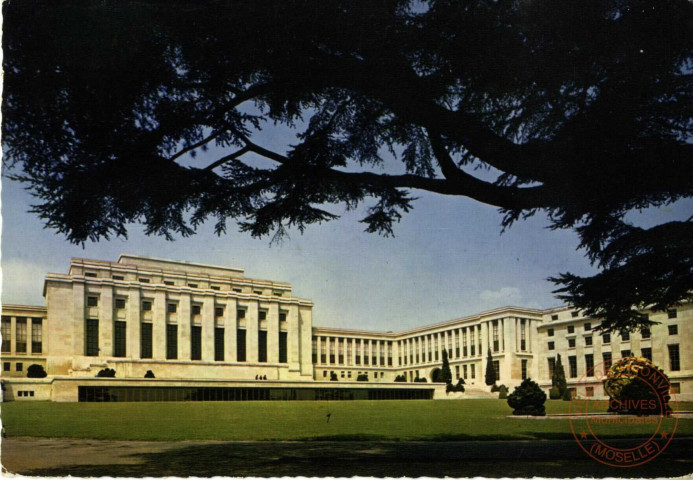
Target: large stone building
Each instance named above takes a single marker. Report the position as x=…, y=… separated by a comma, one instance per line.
x=209, y=332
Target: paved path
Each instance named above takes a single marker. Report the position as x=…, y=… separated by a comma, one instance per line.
x=547, y=458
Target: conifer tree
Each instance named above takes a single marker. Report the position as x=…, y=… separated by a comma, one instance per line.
x=558, y=378
x=446, y=374
x=490, y=372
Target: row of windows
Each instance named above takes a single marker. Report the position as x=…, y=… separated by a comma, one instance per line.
x=22, y=325
x=674, y=361
x=172, y=307
x=606, y=337
x=347, y=374
x=146, y=341
x=276, y=293
x=7, y=367
x=671, y=313
x=348, y=351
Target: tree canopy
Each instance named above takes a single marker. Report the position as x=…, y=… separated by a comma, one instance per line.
x=579, y=109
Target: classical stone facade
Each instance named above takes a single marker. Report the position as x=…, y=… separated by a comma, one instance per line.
x=212, y=328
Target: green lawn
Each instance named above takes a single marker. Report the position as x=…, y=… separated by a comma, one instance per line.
x=376, y=420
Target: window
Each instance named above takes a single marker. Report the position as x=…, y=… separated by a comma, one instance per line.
x=647, y=353
x=464, y=371
x=625, y=353
x=119, y=303
x=606, y=338
x=6, y=334
x=571, y=328
x=588, y=341
x=19, y=367
x=645, y=333
x=262, y=315
x=119, y=335
x=314, y=350
x=457, y=371
x=588, y=327
x=146, y=305
x=674, y=359
x=283, y=347
x=92, y=337
x=196, y=309
x=169, y=283
x=262, y=346
x=90, y=274
x=574, y=314
x=589, y=391
x=552, y=366
x=524, y=369
x=237, y=290
x=523, y=337
x=549, y=332
x=606, y=357
x=282, y=317
x=572, y=366
x=92, y=301
x=358, y=353
x=171, y=342
x=172, y=308
x=589, y=364
x=625, y=336
x=324, y=374
x=20, y=345
x=117, y=277
x=571, y=343
x=495, y=336
x=472, y=368
x=349, y=374
x=218, y=312
x=673, y=329
x=143, y=280
x=671, y=313
x=240, y=313
x=146, y=340
x=214, y=287
x=196, y=343
x=6, y=367
x=554, y=317
x=192, y=285
x=552, y=345
x=240, y=345
x=257, y=292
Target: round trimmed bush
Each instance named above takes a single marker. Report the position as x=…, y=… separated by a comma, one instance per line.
x=36, y=371
x=527, y=399
x=554, y=393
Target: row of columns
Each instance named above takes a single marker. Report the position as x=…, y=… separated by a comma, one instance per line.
x=347, y=347
x=160, y=317
x=28, y=334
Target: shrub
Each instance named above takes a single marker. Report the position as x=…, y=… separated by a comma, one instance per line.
x=401, y=378
x=630, y=393
x=567, y=396
x=36, y=371
x=149, y=374
x=458, y=387
x=362, y=378
x=333, y=377
x=420, y=380
x=527, y=399
x=554, y=393
x=497, y=388
x=503, y=392
x=106, y=373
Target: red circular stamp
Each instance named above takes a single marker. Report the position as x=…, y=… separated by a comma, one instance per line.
x=621, y=414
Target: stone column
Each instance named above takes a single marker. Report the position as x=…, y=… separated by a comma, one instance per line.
x=484, y=339
x=273, y=333
x=208, y=328
x=319, y=348
x=294, y=338
x=134, y=320
x=159, y=325
x=230, y=327
x=77, y=319
x=106, y=340
x=252, y=324
x=306, y=326
x=184, y=315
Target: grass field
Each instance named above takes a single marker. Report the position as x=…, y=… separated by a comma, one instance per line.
x=349, y=420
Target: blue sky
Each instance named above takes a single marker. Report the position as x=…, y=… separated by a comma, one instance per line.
x=448, y=259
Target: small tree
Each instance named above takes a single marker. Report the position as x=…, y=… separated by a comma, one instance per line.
x=558, y=379
x=527, y=399
x=36, y=371
x=106, y=373
x=503, y=392
x=490, y=372
x=445, y=373
x=401, y=378
x=362, y=378
x=149, y=374
x=333, y=377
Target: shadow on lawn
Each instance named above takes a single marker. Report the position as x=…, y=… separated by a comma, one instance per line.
x=550, y=458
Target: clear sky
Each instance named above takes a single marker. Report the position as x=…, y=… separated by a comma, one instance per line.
x=448, y=259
